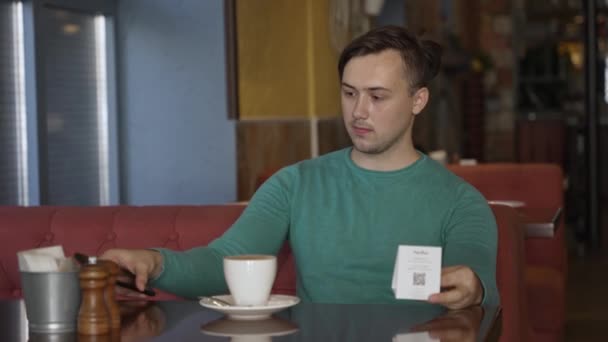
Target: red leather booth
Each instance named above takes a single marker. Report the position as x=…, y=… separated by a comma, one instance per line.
x=545, y=270
x=92, y=230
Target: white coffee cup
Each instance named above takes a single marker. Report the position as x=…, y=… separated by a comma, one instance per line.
x=250, y=278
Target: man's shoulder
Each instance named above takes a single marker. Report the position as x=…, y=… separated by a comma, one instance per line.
x=439, y=174
x=326, y=163
x=329, y=160
x=440, y=177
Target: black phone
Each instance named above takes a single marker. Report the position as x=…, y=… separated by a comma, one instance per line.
x=84, y=259
x=147, y=291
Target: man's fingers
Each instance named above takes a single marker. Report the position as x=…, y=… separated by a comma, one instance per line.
x=125, y=278
x=450, y=269
x=122, y=292
x=137, y=265
x=451, y=277
x=141, y=276
x=119, y=257
x=450, y=298
x=445, y=297
x=462, y=282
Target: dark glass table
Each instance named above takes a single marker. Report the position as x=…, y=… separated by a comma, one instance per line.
x=188, y=321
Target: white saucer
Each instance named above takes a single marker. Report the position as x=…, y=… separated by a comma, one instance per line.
x=275, y=303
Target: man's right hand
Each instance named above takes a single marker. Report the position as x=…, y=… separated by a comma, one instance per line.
x=143, y=263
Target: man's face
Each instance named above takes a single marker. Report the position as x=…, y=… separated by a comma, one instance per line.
x=377, y=104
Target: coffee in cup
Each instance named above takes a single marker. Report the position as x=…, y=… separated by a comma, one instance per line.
x=250, y=278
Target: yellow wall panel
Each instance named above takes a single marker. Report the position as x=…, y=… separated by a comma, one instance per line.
x=326, y=84
x=272, y=63
x=286, y=65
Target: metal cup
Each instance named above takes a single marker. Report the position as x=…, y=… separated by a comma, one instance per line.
x=52, y=300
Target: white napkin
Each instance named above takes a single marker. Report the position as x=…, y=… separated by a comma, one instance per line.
x=46, y=259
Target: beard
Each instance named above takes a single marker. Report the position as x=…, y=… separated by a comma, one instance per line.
x=377, y=147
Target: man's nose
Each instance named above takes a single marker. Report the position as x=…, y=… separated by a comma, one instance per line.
x=360, y=111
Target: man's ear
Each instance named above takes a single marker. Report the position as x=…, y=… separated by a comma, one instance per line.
x=420, y=99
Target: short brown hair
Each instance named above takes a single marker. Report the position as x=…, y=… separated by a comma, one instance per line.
x=421, y=58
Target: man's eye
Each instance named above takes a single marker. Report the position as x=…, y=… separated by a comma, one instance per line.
x=348, y=93
x=377, y=98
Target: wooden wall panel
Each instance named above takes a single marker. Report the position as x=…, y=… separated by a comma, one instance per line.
x=332, y=135
x=268, y=145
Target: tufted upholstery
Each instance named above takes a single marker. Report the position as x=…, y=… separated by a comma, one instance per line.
x=92, y=230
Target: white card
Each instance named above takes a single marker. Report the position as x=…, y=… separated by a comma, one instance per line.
x=417, y=272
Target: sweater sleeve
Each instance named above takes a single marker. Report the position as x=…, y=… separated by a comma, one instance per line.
x=262, y=229
x=470, y=238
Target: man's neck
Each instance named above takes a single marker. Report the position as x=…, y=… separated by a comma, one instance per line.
x=390, y=160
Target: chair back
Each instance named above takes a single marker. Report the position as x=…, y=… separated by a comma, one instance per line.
x=510, y=274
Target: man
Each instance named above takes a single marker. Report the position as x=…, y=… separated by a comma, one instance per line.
x=345, y=213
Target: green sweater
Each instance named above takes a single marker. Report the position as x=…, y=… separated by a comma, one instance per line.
x=344, y=225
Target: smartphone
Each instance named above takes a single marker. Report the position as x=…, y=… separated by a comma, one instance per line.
x=147, y=291
x=84, y=259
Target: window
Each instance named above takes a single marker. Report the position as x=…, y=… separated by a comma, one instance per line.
x=58, y=133
x=73, y=106
x=13, y=146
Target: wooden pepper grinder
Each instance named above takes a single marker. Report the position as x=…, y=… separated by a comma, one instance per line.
x=93, y=317
x=110, y=299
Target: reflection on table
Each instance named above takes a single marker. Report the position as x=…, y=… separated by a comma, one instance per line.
x=188, y=321
x=249, y=331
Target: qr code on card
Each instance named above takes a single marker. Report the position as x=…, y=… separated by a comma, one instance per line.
x=419, y=279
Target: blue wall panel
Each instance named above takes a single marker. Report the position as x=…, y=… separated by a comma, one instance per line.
x=177, y=145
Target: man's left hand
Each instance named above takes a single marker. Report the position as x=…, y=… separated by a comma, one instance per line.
x=461, y=288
